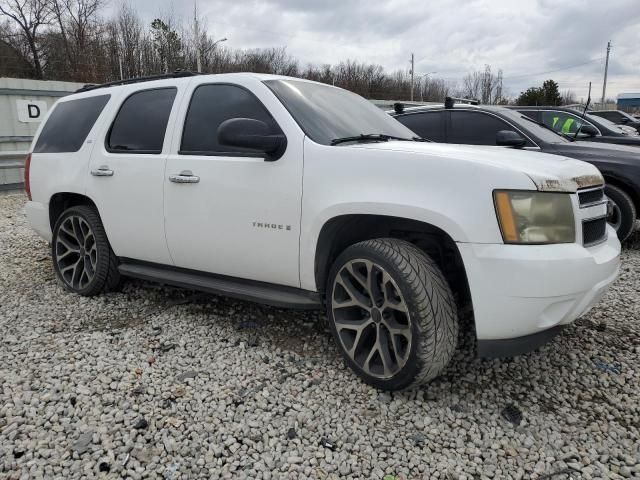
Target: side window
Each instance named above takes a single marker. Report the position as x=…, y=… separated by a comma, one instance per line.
x=69, y=124
x=475, y=128
x=141, y=123
x=428, y=125
x=210, y=106
x=563, y=122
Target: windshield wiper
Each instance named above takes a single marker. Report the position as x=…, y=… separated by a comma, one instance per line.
x=381, y=137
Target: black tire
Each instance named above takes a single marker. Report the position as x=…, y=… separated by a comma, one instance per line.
x=100, y=265
x=431, y=316
x=624, y=216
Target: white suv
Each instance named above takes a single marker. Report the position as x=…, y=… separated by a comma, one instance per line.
x=298, y=194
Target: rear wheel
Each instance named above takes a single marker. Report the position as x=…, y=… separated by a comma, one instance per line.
x=392, y=313
x=623, y=212
x=82, y=256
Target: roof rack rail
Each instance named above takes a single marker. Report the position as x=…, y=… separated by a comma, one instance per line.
x=449, y=102
x=399, y=107
x=176, y=74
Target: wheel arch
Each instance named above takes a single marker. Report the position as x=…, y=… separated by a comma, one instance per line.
x=341, y=231
x=61, y=201
x=626, y=187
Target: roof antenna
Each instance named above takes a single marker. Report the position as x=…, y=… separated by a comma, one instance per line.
x=584, y=112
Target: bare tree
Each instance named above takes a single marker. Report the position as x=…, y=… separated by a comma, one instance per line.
x=29, y=16
x=77, y=23
x=471, y=85
x=128, y=38
x=568, y=97
x=80, y=46
x=483, y=85
x=433, y=89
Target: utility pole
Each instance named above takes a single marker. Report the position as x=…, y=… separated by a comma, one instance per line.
x=197, y=35
x=412, y=74
x=606, y=68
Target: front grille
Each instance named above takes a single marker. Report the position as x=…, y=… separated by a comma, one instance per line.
x=594, y=231
x=591, y=196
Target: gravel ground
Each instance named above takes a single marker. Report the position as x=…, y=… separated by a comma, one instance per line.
x=162, y=383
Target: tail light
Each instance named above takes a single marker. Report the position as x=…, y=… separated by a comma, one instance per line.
x=27, y=169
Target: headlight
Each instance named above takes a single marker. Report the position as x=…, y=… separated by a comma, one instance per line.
x=535, y=217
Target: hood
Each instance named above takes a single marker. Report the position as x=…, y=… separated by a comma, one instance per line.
x=548, y=172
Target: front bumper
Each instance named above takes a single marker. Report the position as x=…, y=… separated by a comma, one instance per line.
x=522, y=290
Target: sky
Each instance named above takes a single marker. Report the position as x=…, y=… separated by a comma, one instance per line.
x=529, y=40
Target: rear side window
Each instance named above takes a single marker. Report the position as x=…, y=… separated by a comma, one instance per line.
x=428, y=125
x=210, y=106
x=476, y=128
x=141, y=123
x=69, y=124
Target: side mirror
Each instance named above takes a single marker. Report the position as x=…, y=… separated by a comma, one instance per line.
x=588, y=130
x=625, y=120
x=252, y=134
x=509, y=138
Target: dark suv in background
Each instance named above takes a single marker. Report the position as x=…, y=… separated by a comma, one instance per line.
x=618, y=117
x=491, y=125
x=572, y=124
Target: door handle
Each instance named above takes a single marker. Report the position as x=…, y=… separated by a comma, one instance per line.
x=102, y=171
x=185, y=176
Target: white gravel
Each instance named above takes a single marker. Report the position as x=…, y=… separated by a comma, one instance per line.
x=163, y=383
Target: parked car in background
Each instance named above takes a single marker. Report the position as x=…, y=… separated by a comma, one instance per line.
x=576, y=126
x=197, y=181
x=491, y=125
x=618, y=117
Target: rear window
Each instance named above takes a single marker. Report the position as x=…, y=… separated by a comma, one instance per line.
x=141, y=122
x=69, y=124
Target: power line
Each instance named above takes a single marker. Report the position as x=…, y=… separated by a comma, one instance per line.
x=553, y=71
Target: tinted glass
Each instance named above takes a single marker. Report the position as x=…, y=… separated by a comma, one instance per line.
x=532, y=128
x=601, y=123
x=325, y=113
x=142, y=121
x=475, y=128
x=213, y=104
x=563, y=122
x=614, y=117
x=532, y=114
x=426, y=125
x=69, y=124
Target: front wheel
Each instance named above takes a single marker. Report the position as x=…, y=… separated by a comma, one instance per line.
x=623, y=211
x=82, y=257
x=392, y=313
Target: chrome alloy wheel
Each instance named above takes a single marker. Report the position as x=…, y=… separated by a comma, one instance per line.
x=614, y=214
x=371, y=318
x=76, y=252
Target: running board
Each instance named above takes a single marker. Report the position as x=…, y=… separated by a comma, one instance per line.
x=251, y=290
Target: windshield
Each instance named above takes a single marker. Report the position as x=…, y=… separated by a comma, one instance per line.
x=625, y=114
x=326, y=113
x=544, y=134
x=604, y=122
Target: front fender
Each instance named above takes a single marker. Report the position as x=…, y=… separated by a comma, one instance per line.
x=311, y=230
